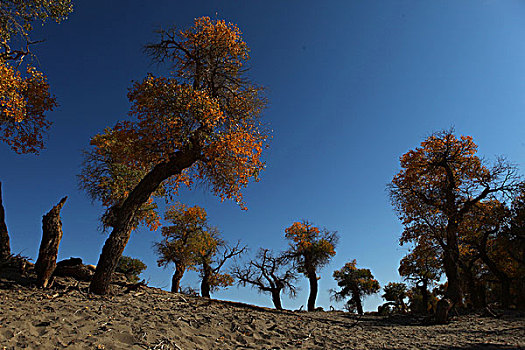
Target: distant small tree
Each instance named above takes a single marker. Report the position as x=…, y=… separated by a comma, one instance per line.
x=311, y=248
x=131, y=267
x=422, y=268
x=212, y=256
x=417, y=304
x=268, y=274
x=184, y=240
x=396, y=293
x=356, y=284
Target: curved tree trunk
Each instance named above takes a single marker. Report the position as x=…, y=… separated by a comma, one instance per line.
x=276, y=299
x=122, y=217
x=312, y=278
x=51, y=237
x=5, y=248
x=205, y=283
x=177, y=276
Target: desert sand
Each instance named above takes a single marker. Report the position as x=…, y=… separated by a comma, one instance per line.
x=68, y=317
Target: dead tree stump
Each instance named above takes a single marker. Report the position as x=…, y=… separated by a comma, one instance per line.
x=5, y=249
x=51, y=236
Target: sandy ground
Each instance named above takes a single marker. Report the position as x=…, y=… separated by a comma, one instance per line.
x=149, y=318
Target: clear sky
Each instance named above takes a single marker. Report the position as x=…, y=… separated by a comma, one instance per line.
x=352, y=85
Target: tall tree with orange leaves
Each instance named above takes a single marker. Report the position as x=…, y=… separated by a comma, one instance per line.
x=440, y=182
x=311, y=248
x=24, y=95
x=202, y=123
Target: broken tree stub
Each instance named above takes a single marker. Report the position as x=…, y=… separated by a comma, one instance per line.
x=51, y=236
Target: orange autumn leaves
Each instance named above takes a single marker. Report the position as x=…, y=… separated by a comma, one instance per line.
x=205, y=106
x=211, y=39
x=24, y=100
x=187, y=238
x=306, y=237
x=24, y=94
x=310, y=246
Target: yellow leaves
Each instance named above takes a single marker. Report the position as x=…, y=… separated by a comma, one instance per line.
x=23, y=102
x=310, y=246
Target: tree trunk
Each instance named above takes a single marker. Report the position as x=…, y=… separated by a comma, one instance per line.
x=450, y=263
x=356, y=296
x=473, y=288
x=205, y=283
x=505, y=293
x=312, y=278
x=276, y=298
x=122, y=217
x=425, y=297
x=177, y=276
x=51, y=236
x=500, y=274
x=5, y=248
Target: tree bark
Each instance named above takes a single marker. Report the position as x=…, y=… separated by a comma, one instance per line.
x=312, y=278
x=177, y=276
x=450, y=263
x=473, y=288
x=425, y=297
x=5, y=248
x=356, y=296
x=276, y=298
x=51, y=236
x=121, y=217
x=205, y=283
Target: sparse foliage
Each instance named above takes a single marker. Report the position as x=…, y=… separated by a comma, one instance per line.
x=17, y=19
x=268, y=274
x=212, y=258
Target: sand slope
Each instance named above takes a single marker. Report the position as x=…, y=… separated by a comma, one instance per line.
x=149, y=318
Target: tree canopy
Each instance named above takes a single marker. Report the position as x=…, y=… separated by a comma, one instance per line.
x=354, y=283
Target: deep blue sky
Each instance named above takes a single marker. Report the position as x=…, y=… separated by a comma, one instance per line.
x=352, y=85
